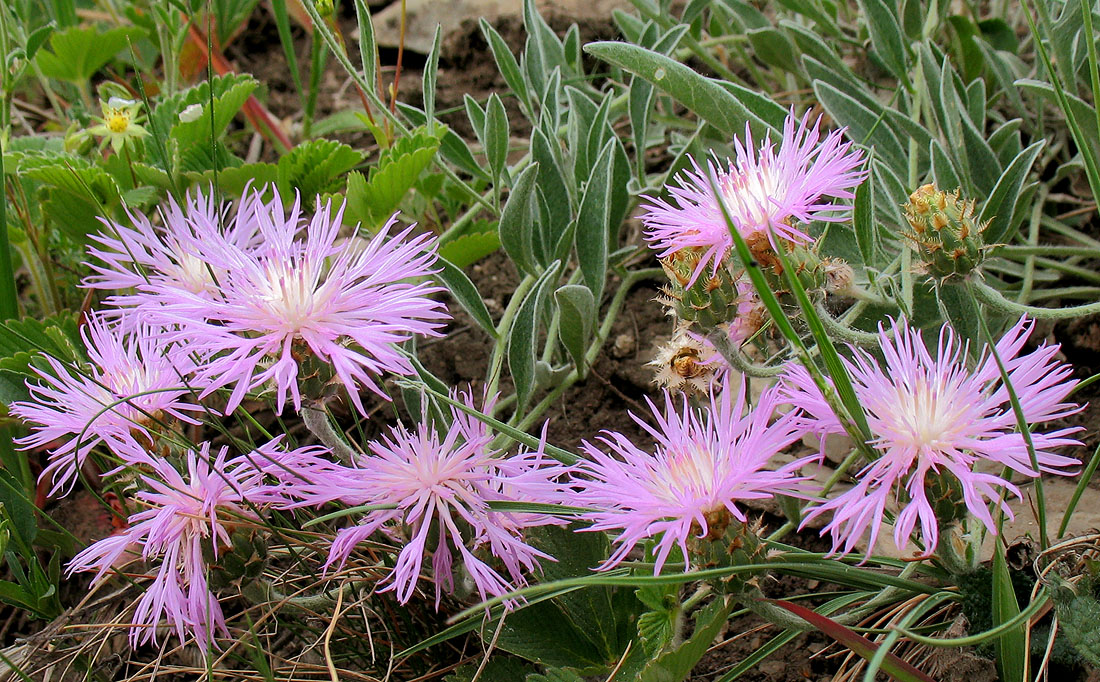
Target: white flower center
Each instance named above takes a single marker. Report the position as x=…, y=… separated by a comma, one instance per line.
x=690, y=470
x=926, y=415
x=192, y=273
x=748, y=194
x=289, y=293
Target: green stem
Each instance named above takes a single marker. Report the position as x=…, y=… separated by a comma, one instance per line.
x=736, y=359
x=995, y=300
x=844, y=332
x=9, y=297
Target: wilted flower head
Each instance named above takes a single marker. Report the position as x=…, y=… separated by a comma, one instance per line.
x=440, y=488
x=134, y=380
x=761, y=189
x=705, y=463
x=934, y=417
x=186, y=514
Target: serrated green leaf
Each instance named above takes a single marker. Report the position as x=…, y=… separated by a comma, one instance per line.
x=77, y=53
x=320, y=166
x=21, y=340
x=469, y=248
x=231, y=92
x=523, y=340
x=517, y=221
x=704, y=96
x=500, y=669
x=577, y=308
x=595, y=611
x=675, y=665
x=466, y=294
x=257, y=176
x=556, y=674
x=452, y=147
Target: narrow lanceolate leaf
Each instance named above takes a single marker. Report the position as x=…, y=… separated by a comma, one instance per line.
x=592, y=223
x=466, y=294
x=506, y=64
x=863, y=220
x=431, y=71
x=864, y=125
x=704, y=96
x=860, y=645
x=517, y=221
x=367, y=48
x=523, y=342
x=1011, y=647
x=999, y=206
x=886, y=37
x=577, y=308
x=496, y=135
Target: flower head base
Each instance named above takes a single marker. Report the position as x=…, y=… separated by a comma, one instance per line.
x=945, y=232
x=134, y=381
x=934, y=417
x=119, y=124
x=706, y=463
x=186, y=516
x=762, y=189
x=438, y=489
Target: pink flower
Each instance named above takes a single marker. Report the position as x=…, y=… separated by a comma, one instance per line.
x=932, y=416
x=439, y=488
x=761, y=189
x=184, y=515
x=135, y=380
x=186, y=259
x=705, y=462
x=293, y=299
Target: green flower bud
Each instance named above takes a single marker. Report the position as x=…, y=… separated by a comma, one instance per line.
x=710, y=300
x=945, y=233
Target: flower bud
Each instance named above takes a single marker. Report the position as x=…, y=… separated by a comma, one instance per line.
x=711, y=299
x=945, y=233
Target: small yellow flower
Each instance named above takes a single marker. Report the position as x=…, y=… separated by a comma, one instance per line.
x=119, y=123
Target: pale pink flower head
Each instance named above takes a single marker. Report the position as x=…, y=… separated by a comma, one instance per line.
x=300, y=296
x=706, y=462
x=182, y=262
x=440, y=488
x=186, y=512
x=135, y=380
x=762, y=188
x=934, y=416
